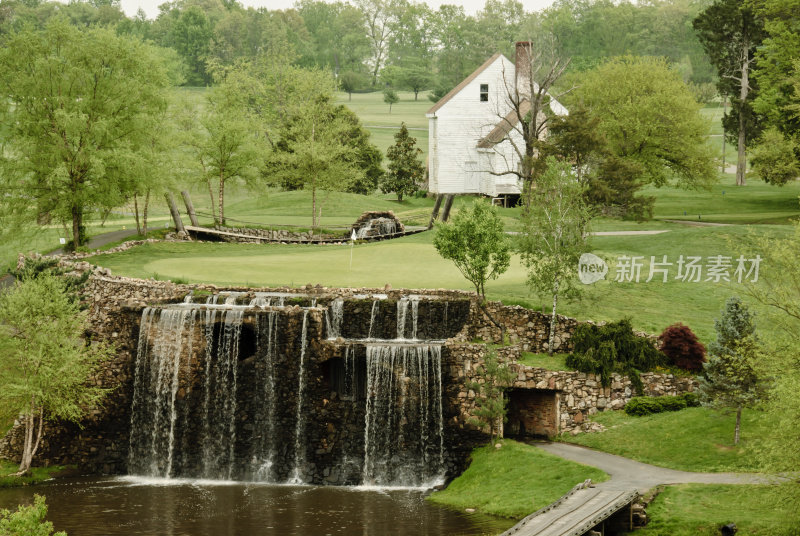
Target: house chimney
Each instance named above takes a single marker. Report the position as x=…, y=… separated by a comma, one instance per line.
x=522, y=67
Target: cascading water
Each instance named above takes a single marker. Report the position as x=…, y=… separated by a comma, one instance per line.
x=333, y=318
x=263, y=443
x=300, y=415
x=404, y=431
x=227, y=391
x=163, y=335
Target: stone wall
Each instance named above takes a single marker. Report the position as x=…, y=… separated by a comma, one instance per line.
x=546, y=403
x=524, y=327
x=577, y=395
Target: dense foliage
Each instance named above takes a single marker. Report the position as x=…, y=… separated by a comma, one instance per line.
x=476, y=243
x=613, y=347
x=730, y=378
x=640, y=406
x=44, y=358
x=27, y=520
x=405, y=169
x=682, y=348
x=407, y=44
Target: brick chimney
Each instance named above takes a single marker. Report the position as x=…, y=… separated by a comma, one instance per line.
x=522, y=67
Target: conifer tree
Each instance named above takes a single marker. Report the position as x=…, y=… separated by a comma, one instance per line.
x=730, y=379
x=405, y=167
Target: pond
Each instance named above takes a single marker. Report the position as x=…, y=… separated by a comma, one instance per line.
x=142, y=506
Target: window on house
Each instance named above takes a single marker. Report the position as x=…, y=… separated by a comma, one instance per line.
x=484, y=92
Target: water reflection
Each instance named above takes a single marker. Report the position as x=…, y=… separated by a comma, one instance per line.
x=130, y=506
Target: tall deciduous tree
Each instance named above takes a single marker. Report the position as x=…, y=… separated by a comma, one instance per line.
x=527, y=94
x=230, y=150
x=555, y=235
x=730, y=380
x=81, y=103
x=649, y=117
x=730, y=33
x=405, y=167
x=377, y=14
x=44, y=361
x=477, y=244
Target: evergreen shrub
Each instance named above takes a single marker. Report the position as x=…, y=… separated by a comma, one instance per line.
x=613, y=347
x=640, y=406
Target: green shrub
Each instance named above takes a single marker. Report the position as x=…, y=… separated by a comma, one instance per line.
x=613, y=347
x=647, y=405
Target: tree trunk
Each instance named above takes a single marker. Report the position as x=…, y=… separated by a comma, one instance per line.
x=77, y=224
x=497, y=324
x=144, y=212
x=313, y=183
x=213, y=201
x=724, y=109
x=136, y=214
x=552, y=336
x=738, y=425
x=744, y=88
x=221, y=208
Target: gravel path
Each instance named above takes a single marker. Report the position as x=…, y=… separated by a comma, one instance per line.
x=626, y=473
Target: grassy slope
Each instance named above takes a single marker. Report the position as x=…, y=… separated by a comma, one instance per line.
x=412, y=262
x=694, y=439
x=696, y=509
x=513, y=481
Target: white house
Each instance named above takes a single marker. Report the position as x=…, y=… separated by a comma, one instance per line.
x=468, y=131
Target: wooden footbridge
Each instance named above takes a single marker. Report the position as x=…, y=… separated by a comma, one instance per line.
x=584, y=510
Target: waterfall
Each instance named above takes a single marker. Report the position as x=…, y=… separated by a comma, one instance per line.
x=219, y=423
x=402, y=315
x=403, y=434
x=264, y=444
x=333, y=318
x=300, y=426
x=156, y=379
x=372, y=313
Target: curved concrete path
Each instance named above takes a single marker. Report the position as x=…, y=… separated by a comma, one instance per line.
x=627, y=474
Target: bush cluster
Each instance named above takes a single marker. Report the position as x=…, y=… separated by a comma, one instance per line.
x=682, y=348
x=613, y=347
x=647, y=405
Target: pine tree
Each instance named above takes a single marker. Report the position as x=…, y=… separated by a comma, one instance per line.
x=406, y=169
x=490, y=403
x=730, y=380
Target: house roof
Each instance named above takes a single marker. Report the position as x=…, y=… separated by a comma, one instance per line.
x=504, y=126
x=453, y=92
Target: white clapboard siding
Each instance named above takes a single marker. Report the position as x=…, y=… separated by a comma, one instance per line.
x=460, y=120
x=456, y=128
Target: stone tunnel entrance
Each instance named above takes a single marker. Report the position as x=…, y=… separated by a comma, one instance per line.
x=532, y=413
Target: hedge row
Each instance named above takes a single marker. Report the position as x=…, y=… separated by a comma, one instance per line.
x=647, y=405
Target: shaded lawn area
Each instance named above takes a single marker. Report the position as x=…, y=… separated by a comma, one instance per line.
x=550, y=362
x=37, y=474
x=513, y=481
x=693, y=439
x=701, y=509
x=412, y=262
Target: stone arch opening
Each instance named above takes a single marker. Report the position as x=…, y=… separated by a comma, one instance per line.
x=532, y=413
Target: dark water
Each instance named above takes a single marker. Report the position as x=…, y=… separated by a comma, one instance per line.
x=135, y=506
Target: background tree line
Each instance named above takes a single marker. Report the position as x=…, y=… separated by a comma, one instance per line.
x=367, y=43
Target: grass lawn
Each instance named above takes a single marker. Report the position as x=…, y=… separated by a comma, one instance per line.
x=693, y=439
x=38, y=474
x=412, y=262
x=513, y=481
x=550, y=362
x=697, y=509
